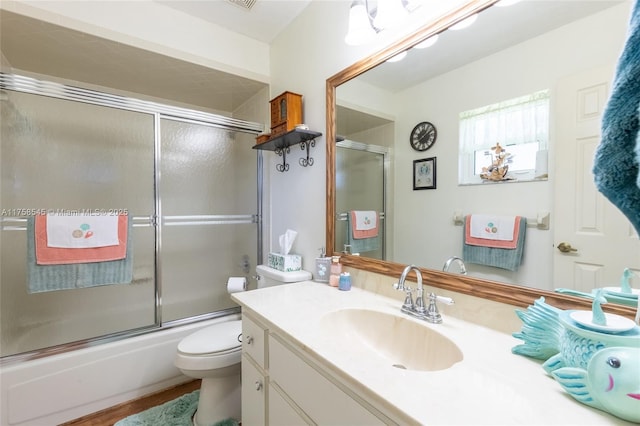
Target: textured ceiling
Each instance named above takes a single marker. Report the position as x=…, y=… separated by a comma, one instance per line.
x=263, y=21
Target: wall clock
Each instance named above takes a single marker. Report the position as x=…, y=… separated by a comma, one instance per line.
x=423, y=136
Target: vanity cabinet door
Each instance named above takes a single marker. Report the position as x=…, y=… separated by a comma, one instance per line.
x=316, y=395
x=281, y=412
x=254, y=385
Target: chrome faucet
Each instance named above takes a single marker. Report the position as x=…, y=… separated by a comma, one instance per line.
x=447, y=265
x=417, y=308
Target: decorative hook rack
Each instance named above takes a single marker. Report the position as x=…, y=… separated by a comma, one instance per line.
x=280, y=145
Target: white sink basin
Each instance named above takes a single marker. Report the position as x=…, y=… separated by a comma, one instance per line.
x=398, y=341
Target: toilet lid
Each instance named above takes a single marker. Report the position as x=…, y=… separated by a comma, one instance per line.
x=216, y=338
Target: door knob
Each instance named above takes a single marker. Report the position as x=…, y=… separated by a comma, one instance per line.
x=566, y=248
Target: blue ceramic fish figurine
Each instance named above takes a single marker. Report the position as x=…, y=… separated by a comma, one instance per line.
x=610, y=383
x=598, y=365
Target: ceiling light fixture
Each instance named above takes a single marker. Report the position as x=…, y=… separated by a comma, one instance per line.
x=366, y=21
x=389, y=14
x=361, y=28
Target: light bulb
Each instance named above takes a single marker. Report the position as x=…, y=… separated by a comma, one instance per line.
x=360, y=30
x=390, y=13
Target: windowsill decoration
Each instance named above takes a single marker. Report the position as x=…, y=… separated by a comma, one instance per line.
x=499, y=168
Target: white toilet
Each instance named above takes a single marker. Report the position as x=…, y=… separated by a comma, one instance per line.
x=268, y=277
x=213, y=354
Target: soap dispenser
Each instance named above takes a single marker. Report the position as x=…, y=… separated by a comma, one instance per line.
x=323, y=268
x=336, y=269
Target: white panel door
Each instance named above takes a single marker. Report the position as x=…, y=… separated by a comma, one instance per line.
x=603, y=239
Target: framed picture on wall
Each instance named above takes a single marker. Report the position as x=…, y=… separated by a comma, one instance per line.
x=424, y=173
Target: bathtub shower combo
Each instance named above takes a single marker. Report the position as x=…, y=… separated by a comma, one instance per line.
x=187, y=182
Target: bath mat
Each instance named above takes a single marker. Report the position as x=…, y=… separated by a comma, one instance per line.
x=177, y=412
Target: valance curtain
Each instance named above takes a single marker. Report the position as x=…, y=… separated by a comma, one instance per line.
x=511, y=122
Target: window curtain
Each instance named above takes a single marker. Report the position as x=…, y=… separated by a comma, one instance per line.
x=512, y=122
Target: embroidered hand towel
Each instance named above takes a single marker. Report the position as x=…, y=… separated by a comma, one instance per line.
x=47, y=255
x=502, y=258
x=51, y=277
x=364, y=224
x=82, y=231
x=506, y=244
x=491, y=227
x=616, y=165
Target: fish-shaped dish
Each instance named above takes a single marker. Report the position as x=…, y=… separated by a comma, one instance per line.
x=594, y=356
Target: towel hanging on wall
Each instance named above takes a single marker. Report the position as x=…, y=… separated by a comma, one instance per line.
x=504, y=258
x=364, y=240
x=508, y=238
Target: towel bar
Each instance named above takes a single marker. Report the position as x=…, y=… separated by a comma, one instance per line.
x=20, y=223
x=344, y=216
x=541, y=221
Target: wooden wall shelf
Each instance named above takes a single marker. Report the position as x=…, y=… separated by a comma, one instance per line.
x=281, y=145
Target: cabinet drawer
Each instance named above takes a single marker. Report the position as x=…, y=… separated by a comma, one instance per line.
x=282, y=128
x=253, y=394
x=254, y=340
x=315, y=394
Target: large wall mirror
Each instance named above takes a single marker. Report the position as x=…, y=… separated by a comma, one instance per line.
x=568, y=49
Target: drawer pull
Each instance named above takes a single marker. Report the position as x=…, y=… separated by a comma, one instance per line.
x=249, y=340
x=258, y=385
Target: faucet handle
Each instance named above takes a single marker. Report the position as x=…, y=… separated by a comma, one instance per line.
x=401, y=287
x=445, y=300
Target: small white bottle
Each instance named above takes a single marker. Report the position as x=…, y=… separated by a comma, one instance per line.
x=336, y=269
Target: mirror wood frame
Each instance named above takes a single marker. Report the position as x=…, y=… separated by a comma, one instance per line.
x=492, y=290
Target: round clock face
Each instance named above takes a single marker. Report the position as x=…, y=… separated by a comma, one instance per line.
x=423, y=136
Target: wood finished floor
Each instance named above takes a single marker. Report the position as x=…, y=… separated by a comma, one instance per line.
x=109, y=416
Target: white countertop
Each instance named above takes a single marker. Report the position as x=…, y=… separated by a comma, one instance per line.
x=489, y=386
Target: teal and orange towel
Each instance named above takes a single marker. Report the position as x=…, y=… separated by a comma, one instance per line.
x=363, y=231
x=56, y=268
x=498, y=253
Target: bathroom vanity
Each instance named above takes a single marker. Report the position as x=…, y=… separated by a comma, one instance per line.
x=316, y=355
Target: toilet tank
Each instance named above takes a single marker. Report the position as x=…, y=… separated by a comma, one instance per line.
x=268, y=277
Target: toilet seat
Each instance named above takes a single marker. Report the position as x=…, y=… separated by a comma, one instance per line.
x=214, y=347
x=217, y=339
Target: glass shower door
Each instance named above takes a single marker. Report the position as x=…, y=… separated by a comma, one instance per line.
x=208, y=188
x=62, y=155
x=360, y=185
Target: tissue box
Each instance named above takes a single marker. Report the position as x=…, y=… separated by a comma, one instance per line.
x=285, y=262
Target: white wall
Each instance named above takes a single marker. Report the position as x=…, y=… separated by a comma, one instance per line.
x=303, y=57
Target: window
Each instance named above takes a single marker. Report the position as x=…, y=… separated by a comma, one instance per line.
x=519, y=125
